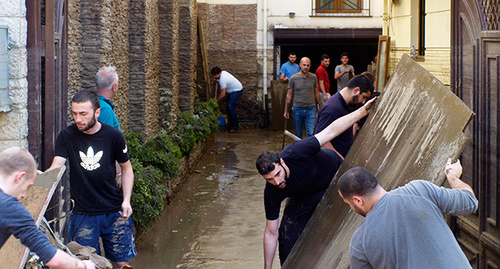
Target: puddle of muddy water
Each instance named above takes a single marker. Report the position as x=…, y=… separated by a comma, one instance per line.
x=197, y=206
x=217, y=218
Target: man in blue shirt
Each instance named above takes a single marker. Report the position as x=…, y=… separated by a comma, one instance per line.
x=17, y=173
x=405, y=228
x=107, y=87
x=289, y=68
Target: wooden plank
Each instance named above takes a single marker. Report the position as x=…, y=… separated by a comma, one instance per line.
x=278, y=99
x=13, y=254
x=204, y=56
x=416, y=125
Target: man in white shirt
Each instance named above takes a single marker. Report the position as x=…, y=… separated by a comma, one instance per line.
x=231, y=87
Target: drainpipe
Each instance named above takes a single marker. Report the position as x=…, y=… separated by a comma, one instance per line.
x=264, y=51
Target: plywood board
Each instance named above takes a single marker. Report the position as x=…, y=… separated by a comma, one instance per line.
x=13, y=254
x=278, y=99
x=416, y=125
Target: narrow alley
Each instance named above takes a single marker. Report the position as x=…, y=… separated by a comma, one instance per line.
x=217, y=218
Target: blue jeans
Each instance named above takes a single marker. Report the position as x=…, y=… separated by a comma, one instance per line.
x=116, y=234
x=303, y=115
x=232, y=114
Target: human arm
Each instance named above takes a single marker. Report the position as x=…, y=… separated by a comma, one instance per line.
x=270, y=242
x=338, y=75
x=118, y=175
x=221, y=95
x=453, y=172
x=321, y=84
x=283, y=78
x=64, y=260
x=289, y=96
x=127, y=185
x=343, y=123
x=57, y=162
x=318, y=98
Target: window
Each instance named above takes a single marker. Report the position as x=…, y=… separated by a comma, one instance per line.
x=338, y=6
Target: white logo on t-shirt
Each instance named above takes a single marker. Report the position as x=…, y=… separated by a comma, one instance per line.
x=90, y=161
x=125, y=149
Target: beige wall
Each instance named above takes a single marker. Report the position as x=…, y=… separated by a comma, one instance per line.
x=14, y=124
x=402, y=26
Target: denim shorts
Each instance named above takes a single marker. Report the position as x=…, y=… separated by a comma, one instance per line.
x=117, y=237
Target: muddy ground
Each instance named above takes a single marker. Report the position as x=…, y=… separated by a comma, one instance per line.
x=217, y=219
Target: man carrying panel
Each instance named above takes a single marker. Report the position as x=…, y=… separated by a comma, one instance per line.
x=301, y=172
x=408, y=222
x=357, y=91
x=17, y=173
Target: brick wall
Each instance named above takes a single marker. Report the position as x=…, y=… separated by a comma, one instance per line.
x=232, y=42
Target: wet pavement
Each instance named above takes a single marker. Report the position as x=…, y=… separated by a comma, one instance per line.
x=217, y=219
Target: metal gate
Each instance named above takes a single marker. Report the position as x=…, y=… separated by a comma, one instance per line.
x=475, y=75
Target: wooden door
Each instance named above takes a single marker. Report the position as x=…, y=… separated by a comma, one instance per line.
x=47, y=75
x=47, y=91
x=475, y=63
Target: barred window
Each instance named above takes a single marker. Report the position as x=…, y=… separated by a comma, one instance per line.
x=338, y=6
x=491, y=11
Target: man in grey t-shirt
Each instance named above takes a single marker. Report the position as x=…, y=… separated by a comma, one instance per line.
x=343, y=72
x=303, y=88
x=405, y=228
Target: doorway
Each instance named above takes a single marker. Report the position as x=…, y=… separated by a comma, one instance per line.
x=360, y=44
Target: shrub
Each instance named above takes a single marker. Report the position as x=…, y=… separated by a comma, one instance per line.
x=160, y=156
x=147, y=195
x=160, y=151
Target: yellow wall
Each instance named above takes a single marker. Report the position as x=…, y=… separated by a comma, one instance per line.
x=401, y=25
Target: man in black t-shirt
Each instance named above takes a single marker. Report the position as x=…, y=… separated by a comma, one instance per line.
x=92, y=148
x=301, y=172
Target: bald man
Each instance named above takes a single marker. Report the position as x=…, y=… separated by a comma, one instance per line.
x=303, y=89
x=18, y=171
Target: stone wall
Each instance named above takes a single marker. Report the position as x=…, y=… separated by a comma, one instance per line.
x=114, y=26
x=169, y=60
x=144, y=66
x=187, y=54
x=98, y=36
x=14, y=124
x=154, y=45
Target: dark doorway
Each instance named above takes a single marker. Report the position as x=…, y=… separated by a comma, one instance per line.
x=360, y=44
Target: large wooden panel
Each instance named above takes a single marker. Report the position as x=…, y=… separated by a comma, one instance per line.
x=13, y=254
x=417, y=124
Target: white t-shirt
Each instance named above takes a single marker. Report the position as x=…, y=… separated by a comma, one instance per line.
x=229, y=82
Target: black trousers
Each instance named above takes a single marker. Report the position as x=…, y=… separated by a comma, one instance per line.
x=298, y=211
